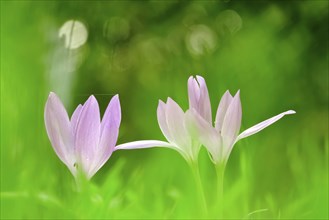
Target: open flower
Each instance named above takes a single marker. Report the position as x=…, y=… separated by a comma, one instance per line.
x=172, y=121
x=219, y=139
x=83, y=142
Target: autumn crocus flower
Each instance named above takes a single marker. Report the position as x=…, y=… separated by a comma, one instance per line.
x=220, y=138
x=175, y=124
x=172, y=121
x=83, y=142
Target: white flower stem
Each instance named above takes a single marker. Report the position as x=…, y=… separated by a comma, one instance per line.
x=220, y=171
x=196, y=174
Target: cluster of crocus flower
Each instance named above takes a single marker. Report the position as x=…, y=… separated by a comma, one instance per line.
x=187, y=131
x=84, y=142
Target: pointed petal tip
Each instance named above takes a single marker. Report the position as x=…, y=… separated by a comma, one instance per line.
x=169, y=100
x=161, y=104
x=115, y=103
x=52, y=95
x=91, y=99
x=79, y=106
x=227, y=92
x=199, y=78
x=290, y=112
x=116, y=98
x=190, y=82
x=53, y=99
x=237, y=95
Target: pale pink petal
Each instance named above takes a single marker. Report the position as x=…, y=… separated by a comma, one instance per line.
x=199, y=97
x=75, y=118
x=162, y=120
x=193, y=93
x=231, y=123
x=143, y=144
x=260, y=126
x=205, y=133
x=221, y=110
x=88, y=134
x=59, y=130
x=110, y=125
x=109, y=134
x=150, y=144
x=204, y=108
x=176, y=124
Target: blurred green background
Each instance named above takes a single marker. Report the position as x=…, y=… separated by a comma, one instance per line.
x=275, y=52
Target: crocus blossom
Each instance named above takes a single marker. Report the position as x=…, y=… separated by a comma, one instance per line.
x=172, y=121
x=84, y=142
x=220, y=138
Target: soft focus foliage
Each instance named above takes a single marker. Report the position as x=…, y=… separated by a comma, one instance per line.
x=275, y=52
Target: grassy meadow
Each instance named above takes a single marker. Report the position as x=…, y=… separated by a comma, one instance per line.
x=275, y=52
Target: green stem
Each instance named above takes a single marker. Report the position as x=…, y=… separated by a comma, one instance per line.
x=196, y=174
x=81, y=180
x=220, y=171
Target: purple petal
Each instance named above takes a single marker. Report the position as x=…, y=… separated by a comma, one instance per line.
x=176, y=124
x=162, y=120
x=199, y=97
x=206, y=134
x=231, y=123
x=221, y=110
x=204, y=102
x=193, y=93
x=109, y=134
x=59, y=130
x=260, y=126
x=88, y=134
x=75, y=118
x=110, y=124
